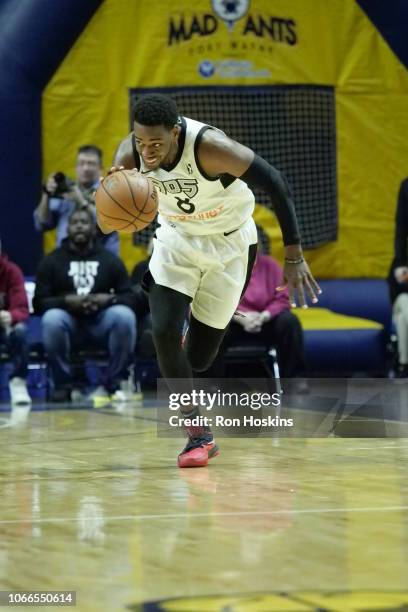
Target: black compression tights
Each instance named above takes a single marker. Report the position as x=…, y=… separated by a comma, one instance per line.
x=169, y=310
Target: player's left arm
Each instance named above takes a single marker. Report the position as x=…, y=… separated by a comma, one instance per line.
x=220, y=155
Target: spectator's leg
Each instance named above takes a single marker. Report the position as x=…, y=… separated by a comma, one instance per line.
x=58, y=330
x=286, y=333
x=400, y=315
x=115, y=329
x=18, y=347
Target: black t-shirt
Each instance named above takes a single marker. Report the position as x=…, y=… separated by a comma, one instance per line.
x=65, y=272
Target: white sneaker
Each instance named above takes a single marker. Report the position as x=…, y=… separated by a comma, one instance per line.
x=125, y=393
x=99, y=393
x=18, y=392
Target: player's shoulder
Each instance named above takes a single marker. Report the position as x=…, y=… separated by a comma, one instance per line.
x=214, y=140
x=125, y=144
x=199, y=126
x=126, y=154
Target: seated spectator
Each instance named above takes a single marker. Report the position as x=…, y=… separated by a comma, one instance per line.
x=83, y=292
x=61, y=196
x=268, y=319
x=13, y=314
x=398, y=280
x=145, y=348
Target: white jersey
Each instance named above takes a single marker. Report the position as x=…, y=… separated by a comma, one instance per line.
x=192, y=202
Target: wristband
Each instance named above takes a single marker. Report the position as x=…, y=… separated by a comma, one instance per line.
x=300, y=260
x=45, y=190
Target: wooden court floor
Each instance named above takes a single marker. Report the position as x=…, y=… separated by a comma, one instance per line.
x=92, y=501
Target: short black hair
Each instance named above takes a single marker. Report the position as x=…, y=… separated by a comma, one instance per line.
x=156, y=109
x=89, y=148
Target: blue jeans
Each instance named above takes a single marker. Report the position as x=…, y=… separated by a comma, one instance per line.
x=16, y=343
x=113, y=329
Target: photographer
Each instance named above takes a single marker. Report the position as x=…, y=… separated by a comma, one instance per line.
x=61, y=196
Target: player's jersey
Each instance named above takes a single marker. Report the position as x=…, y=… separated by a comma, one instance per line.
x=192, y=202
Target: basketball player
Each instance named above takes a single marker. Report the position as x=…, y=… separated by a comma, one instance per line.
x=205, y=246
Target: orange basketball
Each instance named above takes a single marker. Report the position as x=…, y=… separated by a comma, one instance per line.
x=126, y=201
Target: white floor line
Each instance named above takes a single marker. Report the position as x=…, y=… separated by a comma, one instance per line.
x=375, y=448
x=144, y=517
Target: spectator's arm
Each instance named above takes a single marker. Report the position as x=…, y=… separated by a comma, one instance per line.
x=44, y=297
x=44, y=218
x=17, y=297
x=279, y=303
x=42, y=214
x=401, y=226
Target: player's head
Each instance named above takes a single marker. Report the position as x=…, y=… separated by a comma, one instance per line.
x=156, y=130
x=81, y=228
x=89, y=165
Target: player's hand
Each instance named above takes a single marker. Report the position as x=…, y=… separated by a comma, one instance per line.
x=111, y=170
x=5, y=318
x=401, y=274
x=299, y=278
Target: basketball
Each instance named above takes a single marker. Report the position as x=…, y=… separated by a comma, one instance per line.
x=126, y=201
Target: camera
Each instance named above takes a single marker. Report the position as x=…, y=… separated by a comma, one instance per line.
x=63, y=184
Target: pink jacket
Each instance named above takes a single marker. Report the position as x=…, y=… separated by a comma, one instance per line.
x=12, y=292
x=261, y=292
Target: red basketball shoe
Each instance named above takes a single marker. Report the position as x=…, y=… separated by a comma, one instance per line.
x=198, y=451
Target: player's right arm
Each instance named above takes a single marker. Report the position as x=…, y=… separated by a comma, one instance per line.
x=124, y=155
